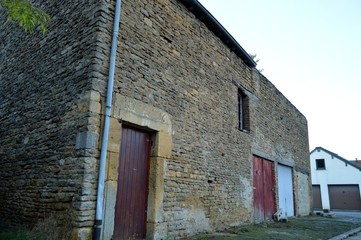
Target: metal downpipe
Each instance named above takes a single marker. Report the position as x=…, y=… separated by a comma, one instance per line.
x=104, y=145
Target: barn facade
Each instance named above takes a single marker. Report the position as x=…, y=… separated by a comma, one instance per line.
x=188, y=137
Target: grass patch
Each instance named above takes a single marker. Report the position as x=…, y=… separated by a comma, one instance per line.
x=312, y=227
x=20, y=234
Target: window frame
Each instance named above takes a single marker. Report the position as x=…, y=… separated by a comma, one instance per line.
x=320, y=164
x=243, y=111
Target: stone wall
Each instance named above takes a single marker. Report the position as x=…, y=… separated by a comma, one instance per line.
x=281, y=135
x=52, y=93
x=49, y=119
x=168, y=59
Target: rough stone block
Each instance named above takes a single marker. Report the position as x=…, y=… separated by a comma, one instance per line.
x=86, y=140
x=109, y=205
x=157, y=230
x=114, y=136
x=163, y=146
x=82, y=233
x=94, y=107
x=112, y=166
x=156, y=189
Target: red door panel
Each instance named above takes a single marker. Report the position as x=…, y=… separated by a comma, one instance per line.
x=132, y=192
x=258, y=189
x=268, y=191
x=263, y=189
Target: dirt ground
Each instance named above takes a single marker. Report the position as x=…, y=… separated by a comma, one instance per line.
x=311, y=227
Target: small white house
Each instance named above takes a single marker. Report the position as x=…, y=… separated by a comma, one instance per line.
x=335, y=181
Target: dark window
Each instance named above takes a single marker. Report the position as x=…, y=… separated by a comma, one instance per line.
x=243, y=111
x=320, y=164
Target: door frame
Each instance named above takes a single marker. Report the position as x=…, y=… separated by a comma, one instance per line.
x=140, y=115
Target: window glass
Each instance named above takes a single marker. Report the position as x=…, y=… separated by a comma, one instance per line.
x=243, y=111
x=320, y=164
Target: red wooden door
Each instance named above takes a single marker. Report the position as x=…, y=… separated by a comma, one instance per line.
x=264, y=202
x=131, y=203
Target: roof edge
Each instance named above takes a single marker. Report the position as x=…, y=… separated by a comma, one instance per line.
x=336, y=156
x=212, y=24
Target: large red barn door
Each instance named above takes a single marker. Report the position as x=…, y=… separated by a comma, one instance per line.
x=263, y=189
x=131, y=203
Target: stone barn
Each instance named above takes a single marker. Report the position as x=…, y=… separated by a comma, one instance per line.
x=142, y=119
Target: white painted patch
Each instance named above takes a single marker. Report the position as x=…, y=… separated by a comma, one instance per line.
x=304, y=205
x=194, y=219
x=245, y=196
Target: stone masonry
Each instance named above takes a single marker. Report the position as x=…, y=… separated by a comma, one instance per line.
x=46, y=103
x=174, y=76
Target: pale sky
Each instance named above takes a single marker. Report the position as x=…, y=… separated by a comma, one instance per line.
x=311, y=51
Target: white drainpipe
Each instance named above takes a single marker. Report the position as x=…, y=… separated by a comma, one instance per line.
x=104, y=146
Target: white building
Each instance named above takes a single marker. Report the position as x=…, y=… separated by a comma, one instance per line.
x=335, y=181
